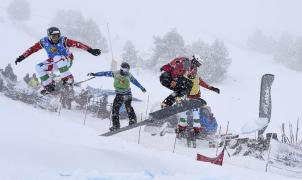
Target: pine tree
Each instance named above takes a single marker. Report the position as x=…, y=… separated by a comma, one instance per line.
x=215, y=60
x=129, y=54
x=166, y=48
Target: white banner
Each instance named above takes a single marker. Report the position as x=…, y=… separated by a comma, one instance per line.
x=285, y=157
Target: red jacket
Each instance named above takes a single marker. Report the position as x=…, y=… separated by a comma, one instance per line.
x=177, y=68
x=68, y=43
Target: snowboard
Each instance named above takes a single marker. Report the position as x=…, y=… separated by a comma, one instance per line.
x=177, y=108
x=162, y=114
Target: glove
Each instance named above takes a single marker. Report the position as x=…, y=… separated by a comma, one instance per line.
x=215, y=89
x=95, y=52
x=144, y=90
x=91, y=74
x=19, y=59
x=173, y=84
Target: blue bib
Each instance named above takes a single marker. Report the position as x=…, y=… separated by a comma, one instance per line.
x=53, y=50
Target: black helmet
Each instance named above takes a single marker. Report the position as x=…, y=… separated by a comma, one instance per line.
x=125, y=67
x=53, y=34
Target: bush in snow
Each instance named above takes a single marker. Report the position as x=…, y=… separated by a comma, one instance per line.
x=74, y=25
x=18, y=10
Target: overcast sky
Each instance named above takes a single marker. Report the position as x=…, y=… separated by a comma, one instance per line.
x=139, y=20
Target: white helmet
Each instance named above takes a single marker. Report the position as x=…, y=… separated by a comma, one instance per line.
x=196, y=59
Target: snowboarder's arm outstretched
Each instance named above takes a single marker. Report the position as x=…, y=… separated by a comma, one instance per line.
x=136, y=83
x=36, y=47
x=77, y=44
x=202, y=83
x=102, y=73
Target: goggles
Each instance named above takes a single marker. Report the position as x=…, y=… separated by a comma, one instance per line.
x=126, y=70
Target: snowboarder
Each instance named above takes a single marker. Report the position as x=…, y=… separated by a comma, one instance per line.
x=59, y=57
x=175, y=77
x=122, y=79
x=194, y=93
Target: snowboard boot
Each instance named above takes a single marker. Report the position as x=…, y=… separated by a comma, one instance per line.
x=114, y=128
x=163, y=105
x=180, y=132
x=68, y=81
x=132, y=121
x=48, y=89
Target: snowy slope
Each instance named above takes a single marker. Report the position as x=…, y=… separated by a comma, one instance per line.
x=52, y=147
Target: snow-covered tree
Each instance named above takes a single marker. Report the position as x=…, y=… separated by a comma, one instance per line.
x=261, y=43
x=215, y=59
x=74, y=25
x=129, y=54
x=296, y=60
x=18, y=10
x=167, y=47
x=219, y=63
x=283, y=51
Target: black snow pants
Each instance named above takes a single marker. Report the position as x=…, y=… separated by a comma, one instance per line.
x=183, y=87
x=117, y=103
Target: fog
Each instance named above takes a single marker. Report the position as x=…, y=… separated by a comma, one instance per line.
x=139, y=20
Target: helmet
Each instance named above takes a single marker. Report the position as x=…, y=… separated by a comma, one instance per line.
x=196, y=60
x=53, y=34
x=125, y=67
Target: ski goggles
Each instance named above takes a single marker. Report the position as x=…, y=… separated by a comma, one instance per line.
x=54, y=37
x=126, y=70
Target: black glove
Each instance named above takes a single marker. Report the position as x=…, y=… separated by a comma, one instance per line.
x=19, y=59
x=91, y=74
x=95, y=52
x=215, y=89
x=144, y=90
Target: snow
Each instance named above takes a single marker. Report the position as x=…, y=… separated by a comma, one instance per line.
x=37, y=144
x=53, y=147
x=254, y=125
